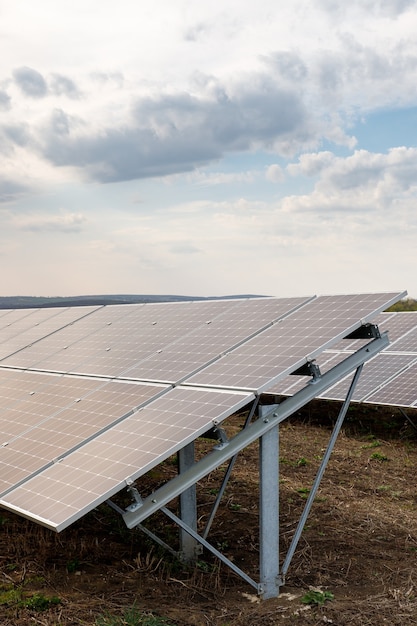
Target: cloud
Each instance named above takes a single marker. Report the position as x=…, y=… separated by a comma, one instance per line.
x=386, y=8
x=289, y=65
x=68, y=223
x=10, y=189
x=17, y=134
x=172, y=133
x=311, y=164
x=275, y=173
x=363, y=182
x=31, y=82
x=64, y=86
x=5, y=101
x=196, y=31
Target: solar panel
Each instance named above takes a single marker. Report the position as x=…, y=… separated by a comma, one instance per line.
x=116, y=338
x=398, y=324
x=194, y=350
x=37, y=325
x=375, y=374
x=73, y=438
x=402, y=391
x=284, y=347
x=407, y=343
x=66, y=490
x=44, y=416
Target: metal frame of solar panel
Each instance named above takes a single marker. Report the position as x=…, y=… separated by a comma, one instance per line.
x=93, y=398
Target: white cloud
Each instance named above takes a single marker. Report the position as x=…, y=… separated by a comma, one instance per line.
x=381, y=184
x=311, y=164
x=275, y=173
x=65, y=223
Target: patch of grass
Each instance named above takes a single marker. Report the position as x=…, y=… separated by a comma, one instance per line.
x=317, y=598
x=13, y=597
x=303, y=491
x=39, y=602
x=10, y=596
x=133, y=617
x=377, y=456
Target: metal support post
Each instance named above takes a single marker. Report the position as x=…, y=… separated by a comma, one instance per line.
x=269, y=512
x=189, y=548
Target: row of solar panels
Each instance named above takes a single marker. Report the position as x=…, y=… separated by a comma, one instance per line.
x=92, y=398
x=389, y=379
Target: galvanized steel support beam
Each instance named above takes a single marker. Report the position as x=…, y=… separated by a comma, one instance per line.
x=189, y=548
x=269, y=511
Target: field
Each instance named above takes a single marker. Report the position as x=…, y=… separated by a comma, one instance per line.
x=358, y=551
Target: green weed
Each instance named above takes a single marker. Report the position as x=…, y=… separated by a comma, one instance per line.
x=377, y=456
x=317, y=598
x=39, y=602
x=35, y=602
x=133, y=617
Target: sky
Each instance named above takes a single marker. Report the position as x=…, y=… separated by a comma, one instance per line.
x=208, y=149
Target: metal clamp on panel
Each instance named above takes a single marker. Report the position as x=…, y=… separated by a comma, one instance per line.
x=219, y=434
x=366, y=331
x=136, y=497
x=309, y=369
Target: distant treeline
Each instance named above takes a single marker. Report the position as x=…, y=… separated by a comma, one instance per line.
x=35, y=302
x=408, y=304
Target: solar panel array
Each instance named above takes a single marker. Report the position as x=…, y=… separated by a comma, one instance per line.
x=91, y=398
x=388, y=379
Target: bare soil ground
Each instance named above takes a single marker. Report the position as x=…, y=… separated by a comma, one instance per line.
x=360, y=543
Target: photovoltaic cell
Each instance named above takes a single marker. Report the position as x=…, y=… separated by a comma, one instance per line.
x=66, y=490
x=375, y=373
x=153, y=342
x=284, y=347
x=398, y=324
x=194, y=350
x=407, y=343
x=36, y=326
x=402, y=391
x=115, y=338
x=59, y=413
x=60, y=342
